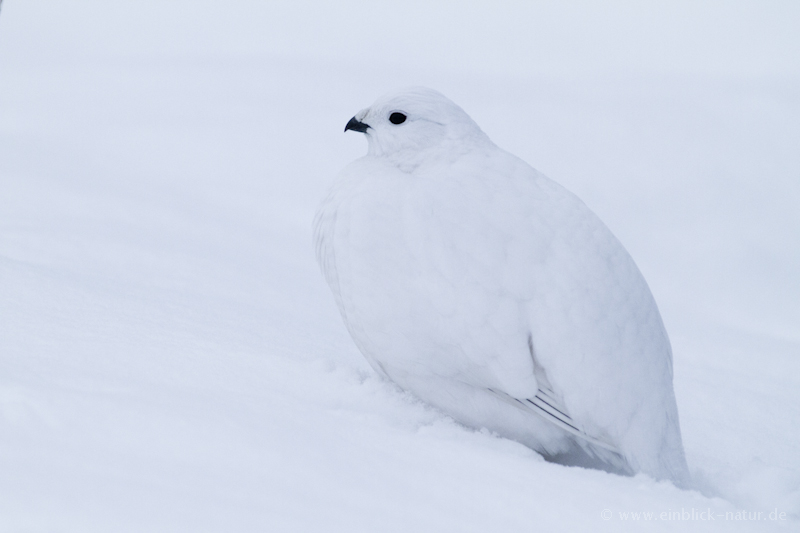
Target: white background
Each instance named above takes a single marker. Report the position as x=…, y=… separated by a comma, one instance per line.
x=170, y=358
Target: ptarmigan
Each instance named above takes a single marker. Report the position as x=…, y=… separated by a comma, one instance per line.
x=492, y=293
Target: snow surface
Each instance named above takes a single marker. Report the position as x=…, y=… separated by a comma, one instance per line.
x=170, y=357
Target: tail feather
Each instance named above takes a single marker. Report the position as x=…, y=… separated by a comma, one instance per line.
x=545, y=404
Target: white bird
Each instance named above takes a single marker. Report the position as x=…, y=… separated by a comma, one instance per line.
x=492, y=293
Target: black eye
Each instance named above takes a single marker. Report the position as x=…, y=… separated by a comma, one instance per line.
x=397, y=118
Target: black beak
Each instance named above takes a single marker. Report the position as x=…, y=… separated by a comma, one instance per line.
x=356, y=126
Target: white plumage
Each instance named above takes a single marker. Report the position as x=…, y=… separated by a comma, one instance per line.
x=494, y=294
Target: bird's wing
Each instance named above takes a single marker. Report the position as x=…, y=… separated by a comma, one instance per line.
x=546, y=405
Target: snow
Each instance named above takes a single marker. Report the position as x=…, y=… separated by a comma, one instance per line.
x=171, y=357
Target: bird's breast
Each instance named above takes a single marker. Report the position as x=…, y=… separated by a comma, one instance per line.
x=421, y=280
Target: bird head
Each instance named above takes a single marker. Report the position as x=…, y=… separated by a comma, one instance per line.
x=417, y=126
